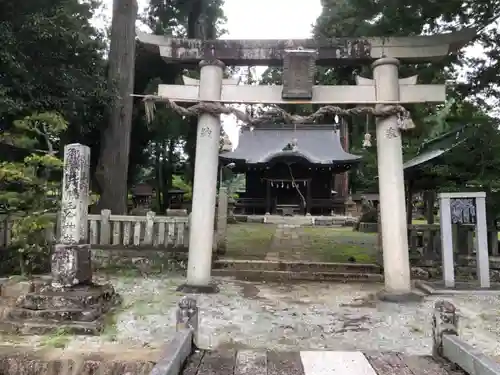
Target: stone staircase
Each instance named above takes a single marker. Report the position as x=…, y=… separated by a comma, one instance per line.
x=286, y=260
x=283, y=270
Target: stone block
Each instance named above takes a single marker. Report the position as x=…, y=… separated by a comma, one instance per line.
x=14, y=289
x=81, y=297
x=71, y=265
x=444, y=322
x=176, y=212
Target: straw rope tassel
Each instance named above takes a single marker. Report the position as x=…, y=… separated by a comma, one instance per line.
x=367, y=141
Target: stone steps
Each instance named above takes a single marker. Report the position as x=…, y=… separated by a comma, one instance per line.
x=262, y=275
x=59, y=315
x=77, y=298
x=44, y=327
x=296, y=266
x=79, y=310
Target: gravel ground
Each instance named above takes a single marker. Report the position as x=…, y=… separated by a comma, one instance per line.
x=290, y=316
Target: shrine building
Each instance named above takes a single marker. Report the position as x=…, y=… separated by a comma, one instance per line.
x=292, y=170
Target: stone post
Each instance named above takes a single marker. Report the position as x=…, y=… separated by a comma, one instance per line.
x=222, y=209
x=391, y=187
x=447, y=245
x=187, y=314
x=71, y=258
x=446, y=241
x=444, y=322
x=482, y=256
x=201, y=234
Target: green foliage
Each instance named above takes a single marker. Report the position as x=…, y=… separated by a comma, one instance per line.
x=166, y=147
x=53, y=67
x=180, y=183
x=233, y=183
x=474, y=162
x=27, y=193
x=31, y=237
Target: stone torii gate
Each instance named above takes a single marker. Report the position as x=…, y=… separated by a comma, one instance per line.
x=299, y=58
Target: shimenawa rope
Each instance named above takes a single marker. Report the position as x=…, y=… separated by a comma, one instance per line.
x=216, y=109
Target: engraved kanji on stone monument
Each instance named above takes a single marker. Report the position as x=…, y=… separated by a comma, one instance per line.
x=71, y=256
x=75, y=193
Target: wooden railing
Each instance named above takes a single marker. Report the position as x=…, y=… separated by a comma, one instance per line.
x=120, y=231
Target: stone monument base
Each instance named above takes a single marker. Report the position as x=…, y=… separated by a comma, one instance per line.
x=211, y=288
x=35, y=307
x=412, y=296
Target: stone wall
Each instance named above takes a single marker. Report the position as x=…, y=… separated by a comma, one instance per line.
x=26, y=361
x=143, y=260
x=101, y=260
x=465, y=269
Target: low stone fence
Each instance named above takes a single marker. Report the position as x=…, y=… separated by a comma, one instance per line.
x=120, y=231
x=324, y=221
x=426, y=238
x=465, y=268
x=107, y=231
x=117, y=240
x=449, y=346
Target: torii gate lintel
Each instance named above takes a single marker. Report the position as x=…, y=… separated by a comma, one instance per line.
x=330, y=51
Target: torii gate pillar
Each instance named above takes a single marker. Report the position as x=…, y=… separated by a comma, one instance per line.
x=201, y=227
x=391, y=187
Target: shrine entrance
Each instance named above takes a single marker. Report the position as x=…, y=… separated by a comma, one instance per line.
x=287, y=196
x=383, y=97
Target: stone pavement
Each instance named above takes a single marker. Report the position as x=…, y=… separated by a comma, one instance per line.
x=287, y=243
x=290, y=317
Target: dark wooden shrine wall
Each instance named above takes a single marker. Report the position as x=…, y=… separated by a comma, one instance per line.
x=321, y=179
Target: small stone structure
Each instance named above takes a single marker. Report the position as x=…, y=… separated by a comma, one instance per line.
x=465, y=208
x=222, y=213
x=183, y=344
x=141, y=198
x=68, y=299
x=444, y=321
x=448, y=346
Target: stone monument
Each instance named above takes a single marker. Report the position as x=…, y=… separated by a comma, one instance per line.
x=69, y=300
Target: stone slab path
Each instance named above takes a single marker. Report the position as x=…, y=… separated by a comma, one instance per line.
x=287, y=243
x=249, y=362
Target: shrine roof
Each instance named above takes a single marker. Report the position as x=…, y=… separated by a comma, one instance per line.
x=318, y=144
x=431, y=150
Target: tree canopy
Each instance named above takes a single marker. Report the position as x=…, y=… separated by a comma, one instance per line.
x=53, y=61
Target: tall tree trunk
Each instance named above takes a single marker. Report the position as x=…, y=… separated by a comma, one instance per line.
x=112, y=169
x=169, y=173
x=158, y=176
